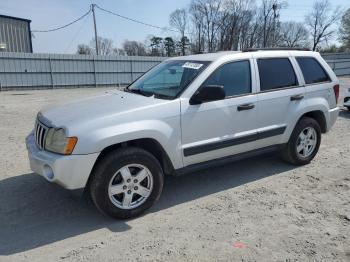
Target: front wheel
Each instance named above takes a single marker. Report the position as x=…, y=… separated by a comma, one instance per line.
x=126, y=182
x=304, y=142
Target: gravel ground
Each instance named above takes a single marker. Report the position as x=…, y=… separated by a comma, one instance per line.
x=259, y=209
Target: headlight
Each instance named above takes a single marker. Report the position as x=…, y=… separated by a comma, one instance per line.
x=57, y=142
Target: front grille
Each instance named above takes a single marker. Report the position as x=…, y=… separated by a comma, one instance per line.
x=40, y=134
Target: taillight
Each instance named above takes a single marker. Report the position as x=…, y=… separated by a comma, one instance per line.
x=336, y=92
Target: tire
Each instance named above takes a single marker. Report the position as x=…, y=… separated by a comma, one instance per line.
x=290, y=151
x=111, y=176
x=348, y=107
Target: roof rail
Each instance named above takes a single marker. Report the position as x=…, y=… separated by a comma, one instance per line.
x=275, y=49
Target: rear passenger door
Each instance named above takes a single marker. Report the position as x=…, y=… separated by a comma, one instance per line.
x=279, y=99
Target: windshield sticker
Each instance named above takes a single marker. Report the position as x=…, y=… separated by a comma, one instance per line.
x=195, y=66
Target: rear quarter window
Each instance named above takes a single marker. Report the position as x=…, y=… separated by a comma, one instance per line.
x=312, y=71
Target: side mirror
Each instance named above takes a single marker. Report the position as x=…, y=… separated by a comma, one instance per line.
x=207, y=94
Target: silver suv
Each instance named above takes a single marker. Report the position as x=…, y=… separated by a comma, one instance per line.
x=185, y=114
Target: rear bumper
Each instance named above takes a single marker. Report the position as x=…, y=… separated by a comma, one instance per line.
x=333, y=115
x=71, y=172
x=347, y=101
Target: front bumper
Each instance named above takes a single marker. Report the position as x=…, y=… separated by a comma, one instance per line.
x=333, y=115
x=71, y=172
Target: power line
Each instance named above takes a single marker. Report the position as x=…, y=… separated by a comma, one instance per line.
x=136, y=21
x=64, y=26
x=76, y=35
x=110, y=12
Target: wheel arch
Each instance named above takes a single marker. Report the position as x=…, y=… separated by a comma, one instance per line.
x=148, y=144
x=319, y=116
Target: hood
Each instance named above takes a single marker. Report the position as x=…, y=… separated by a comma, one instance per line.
x=88, y=109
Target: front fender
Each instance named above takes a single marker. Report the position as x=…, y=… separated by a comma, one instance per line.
x=167, y=133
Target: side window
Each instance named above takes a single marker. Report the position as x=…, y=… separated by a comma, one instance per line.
x=235, y=77
x=276, y=73
x=313, y=72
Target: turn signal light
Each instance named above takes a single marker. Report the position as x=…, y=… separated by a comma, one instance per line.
x=71, y=142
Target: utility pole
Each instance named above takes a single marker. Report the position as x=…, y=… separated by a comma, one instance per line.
x=93, y=14
x=274, y=8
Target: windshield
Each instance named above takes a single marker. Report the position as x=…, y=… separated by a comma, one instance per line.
x=168, y=79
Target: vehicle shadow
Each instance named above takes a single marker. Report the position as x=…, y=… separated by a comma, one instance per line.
x=34, y=213
x=188, y=187
x=344, y=113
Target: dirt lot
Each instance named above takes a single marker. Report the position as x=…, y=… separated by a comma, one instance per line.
x=259, y=209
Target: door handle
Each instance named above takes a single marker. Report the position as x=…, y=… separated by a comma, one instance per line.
x=245, y=107
x=296, y=97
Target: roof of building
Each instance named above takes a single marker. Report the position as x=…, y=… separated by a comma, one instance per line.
x=16, y=18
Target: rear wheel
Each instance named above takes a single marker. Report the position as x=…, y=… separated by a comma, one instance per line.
x=304, y=142
x=126, y=182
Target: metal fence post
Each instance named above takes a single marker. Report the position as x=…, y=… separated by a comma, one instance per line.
x=51, y=76
x=95, y=78
x=1, y=81
x=131, y=71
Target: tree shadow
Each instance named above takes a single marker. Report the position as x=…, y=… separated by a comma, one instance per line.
x=34, y=213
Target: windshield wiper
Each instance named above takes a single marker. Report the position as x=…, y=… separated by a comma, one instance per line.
x=138, y=91
x=162, y=96
x=147, y=93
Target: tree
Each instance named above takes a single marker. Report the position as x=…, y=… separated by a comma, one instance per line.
x=249, y=36
x=134, y=48
x=182, y=45
x=344, y=30
x=236, y=15
x=178, y=20
x=294, y=34
x=320, y=21
x=83, y=49
x=156, y=46
x=197, y=21
x=105, y=45
x=169, y=46
x=269, y=17
x=119, y=51
x=333, y=49
x=209, y=11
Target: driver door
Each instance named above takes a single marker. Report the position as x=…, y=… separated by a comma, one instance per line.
x=221, y=128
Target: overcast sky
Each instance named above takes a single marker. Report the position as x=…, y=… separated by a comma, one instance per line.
x=49, y=14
